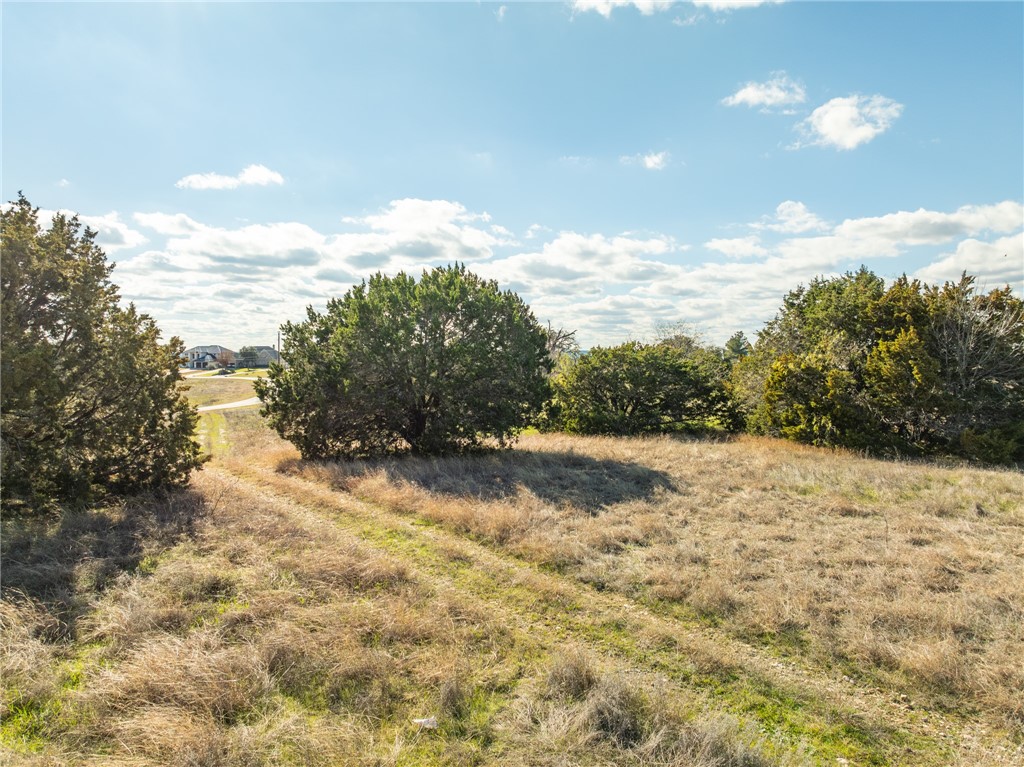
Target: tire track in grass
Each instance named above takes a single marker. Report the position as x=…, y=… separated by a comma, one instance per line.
x=833, y=717
x=212, y=433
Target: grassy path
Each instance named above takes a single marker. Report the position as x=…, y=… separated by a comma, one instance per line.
x=835, y=720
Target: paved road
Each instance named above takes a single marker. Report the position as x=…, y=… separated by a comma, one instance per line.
x=229, y=405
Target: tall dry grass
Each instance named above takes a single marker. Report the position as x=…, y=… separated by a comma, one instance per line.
x=256, y=633
x=905, y=574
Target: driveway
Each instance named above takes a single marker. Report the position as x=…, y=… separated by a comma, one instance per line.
x=230, y=405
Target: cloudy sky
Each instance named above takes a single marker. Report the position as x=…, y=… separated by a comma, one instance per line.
x=622, y=165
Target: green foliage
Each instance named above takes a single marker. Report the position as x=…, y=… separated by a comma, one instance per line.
x=90, y=403
x=911, y=368
x=737, y=347
x=248, y=357
x=436, y=366
x=1003, y=444
x=639, y=388
x=810, y=400
x=901, y=381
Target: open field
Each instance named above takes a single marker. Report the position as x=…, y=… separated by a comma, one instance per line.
x=212, y=430
x=574, y=601
x=217, y=390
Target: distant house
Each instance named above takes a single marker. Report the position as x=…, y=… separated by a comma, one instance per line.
x=265, y=355
x=257, y=356
x=209, y=357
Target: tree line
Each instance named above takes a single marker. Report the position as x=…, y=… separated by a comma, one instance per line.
x=91, y=405
x=447, y=363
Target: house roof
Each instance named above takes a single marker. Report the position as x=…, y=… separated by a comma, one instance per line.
x=209, y=349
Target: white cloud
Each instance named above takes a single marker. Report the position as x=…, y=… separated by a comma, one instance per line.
x=791, y=217
x=288, y=265
x=994, y=263
x=648, y=7
x=688, y=21
x=650, y=161
x=252, y=175
x=423, y=231
x=270, y=272
x=738, y=247
x=500, y=13
x=731, y=5
x=575, y=265
x=63, y=183
x=923, y=227
x=197, y=279
x=847, y=122
x=872, y=237
x=253, y=246
x=605, y=7
x=163, y=223
x=780, y=90
x=112, y=234
x=655, y=160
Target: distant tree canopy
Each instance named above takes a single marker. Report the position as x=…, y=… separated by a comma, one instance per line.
x=435, y=366
x=89, y=402
x=248, y=357
x=634, y=388
x=908, y=368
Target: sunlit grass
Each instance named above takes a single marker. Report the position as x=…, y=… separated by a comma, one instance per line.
x=575, y=600
x=217, y=390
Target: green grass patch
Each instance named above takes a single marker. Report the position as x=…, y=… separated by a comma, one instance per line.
x=24, y=727
x=213, y=433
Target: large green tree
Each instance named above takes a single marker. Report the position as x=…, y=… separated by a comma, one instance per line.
x=89, y=402
x=906, y=368
x=436, y=366
x=639, y=388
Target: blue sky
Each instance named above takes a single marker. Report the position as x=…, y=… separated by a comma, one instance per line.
x=624, y=166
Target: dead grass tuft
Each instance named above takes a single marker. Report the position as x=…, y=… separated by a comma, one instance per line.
x=27, y=674
x=571, y=675
x=625, y=718
x=171, y=736
x=617, y=709
x=347, y=569
x=197, y=674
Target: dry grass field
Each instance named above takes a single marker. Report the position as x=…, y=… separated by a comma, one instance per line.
x=217, y=390
x=573, y=601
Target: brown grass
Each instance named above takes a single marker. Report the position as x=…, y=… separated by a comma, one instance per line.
x=906, y=573
x=238, y=624
x=256, y=635
x=627, y=719
x=216, y=390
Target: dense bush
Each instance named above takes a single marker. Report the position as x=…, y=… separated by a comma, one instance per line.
x=911, y=368
x=639, y=388
x=90, y=402
x=434, y=366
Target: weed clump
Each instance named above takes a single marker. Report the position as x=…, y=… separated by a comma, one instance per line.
x=571, y=676
x=620, y=712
